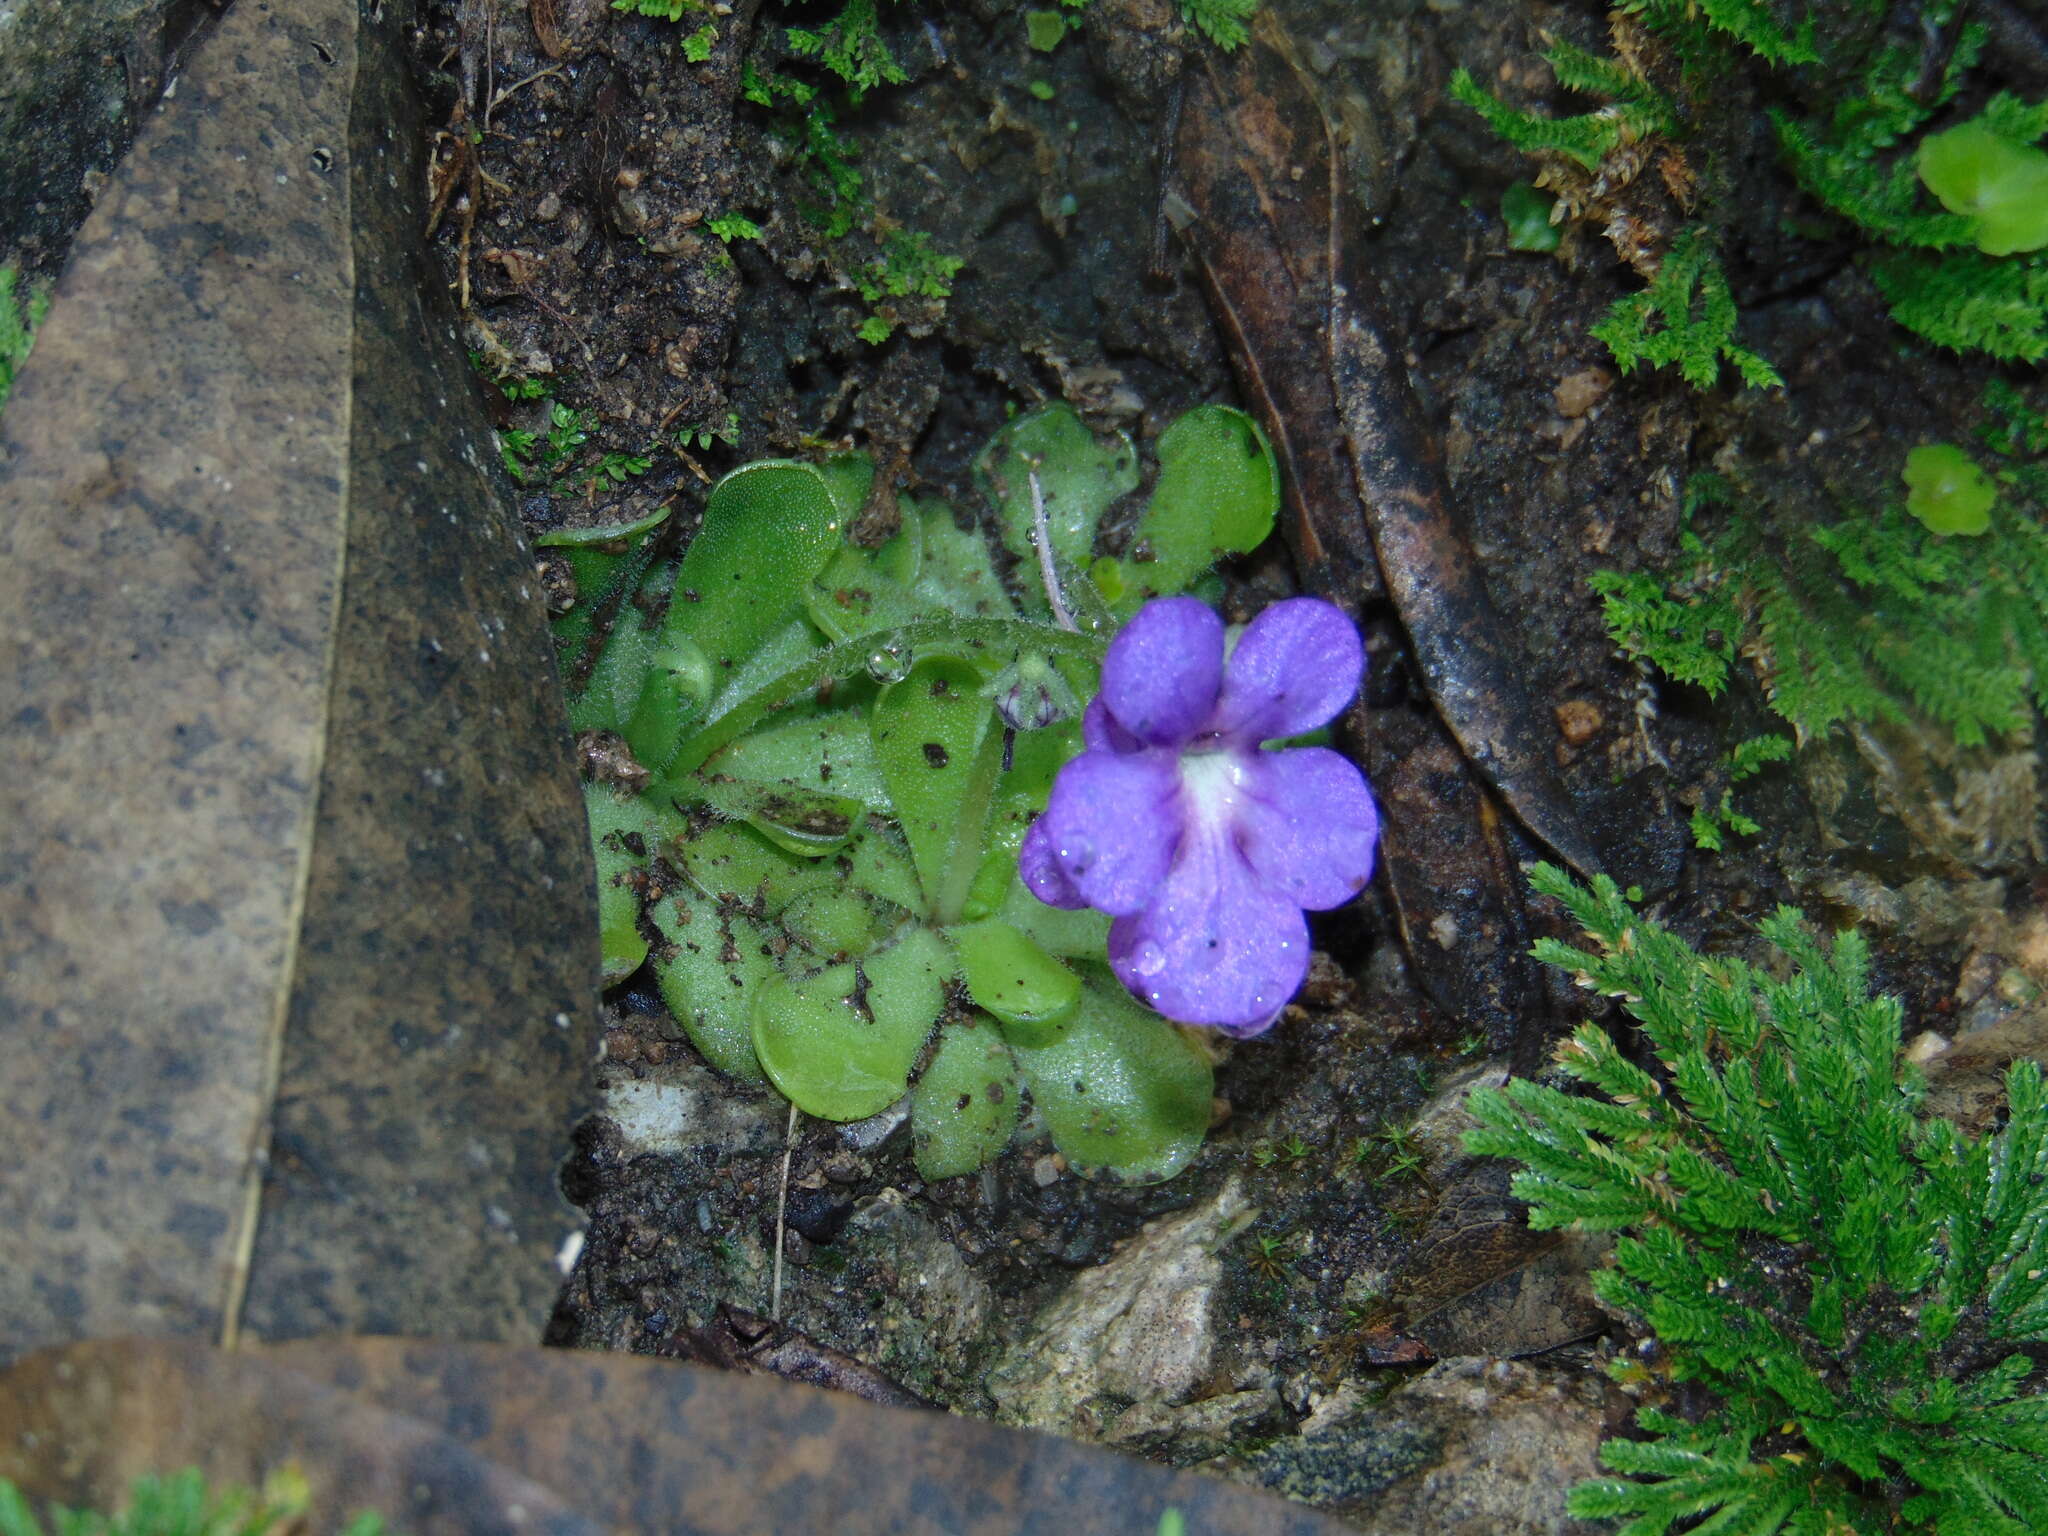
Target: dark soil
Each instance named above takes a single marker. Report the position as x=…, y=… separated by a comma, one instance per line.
x=590, y=263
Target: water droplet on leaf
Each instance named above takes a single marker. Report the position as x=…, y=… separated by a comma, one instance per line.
x=890, y=663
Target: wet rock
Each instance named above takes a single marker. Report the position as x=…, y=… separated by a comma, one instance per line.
x=1997, y=1015
x=682, y=1106
x=1924, y=911
x=1438, y=1128
x=1902, y=797
x=1578, y=393
x=935, y=1311
x=1137, y=1332
x=1468, y=1448
x=1189, y=1432
x=1578, y=721
x=73, y=75
x=1477, y=1281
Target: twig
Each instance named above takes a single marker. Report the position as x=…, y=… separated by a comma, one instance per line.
x=518, y=85
x=781, y=1207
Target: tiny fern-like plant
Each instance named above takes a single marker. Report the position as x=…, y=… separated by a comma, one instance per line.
x=20, y=314
x=1855, y=1282
x=1932, y=607
x=1223, y=22
x=1952, y=217
x=1684, y=319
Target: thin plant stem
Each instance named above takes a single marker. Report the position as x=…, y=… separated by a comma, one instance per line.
x=1041, y=535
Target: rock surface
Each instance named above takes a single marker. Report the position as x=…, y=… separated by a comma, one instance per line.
x=72, y=76
x=1473, y=1447
x=1138, y=1331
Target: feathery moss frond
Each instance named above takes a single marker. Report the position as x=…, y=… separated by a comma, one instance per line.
x=1851, y=1279
x=1874, y=617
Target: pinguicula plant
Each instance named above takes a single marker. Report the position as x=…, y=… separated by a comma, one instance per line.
x=813, y=765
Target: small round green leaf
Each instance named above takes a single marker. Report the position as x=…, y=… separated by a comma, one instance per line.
x=1125, y=1096
x=2001, y=185
x=1218, y=492
x=956, y=572
x=964, y=1108
x=1948, y=490
x=1079, y=475
x=1044, y=29
x=840, y=1043
x=1014, y=979
x=768, y=529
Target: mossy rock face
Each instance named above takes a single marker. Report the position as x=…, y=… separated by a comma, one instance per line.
x=66, y=110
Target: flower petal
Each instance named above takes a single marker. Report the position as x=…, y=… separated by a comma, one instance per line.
x=1109, y=830
x=1101, y=732
x=1307, y=825
x=1296, y=665
x=1163, y=670
x=1041, y=871
x=1215, y=946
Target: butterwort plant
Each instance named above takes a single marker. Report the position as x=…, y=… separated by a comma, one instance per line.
x=1204, y=847
x=814, y=764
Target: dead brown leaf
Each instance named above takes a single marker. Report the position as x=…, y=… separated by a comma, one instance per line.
x=299, y=971
x=1479, y=1281
x=450, y=1437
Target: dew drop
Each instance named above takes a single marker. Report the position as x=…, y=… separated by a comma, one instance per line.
x=890, y=663
x=1077, y=853
x=1148, y=959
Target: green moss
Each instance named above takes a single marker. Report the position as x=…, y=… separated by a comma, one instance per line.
x=1855, y=106
x=1851, y=1285
x=182, y=1504
x=1878, y=615
x=1684, y=319
x=20, y=314
x=1221, y=21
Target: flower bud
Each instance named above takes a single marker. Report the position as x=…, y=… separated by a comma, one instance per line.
x=1030, y=694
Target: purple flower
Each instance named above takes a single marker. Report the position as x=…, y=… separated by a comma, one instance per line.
x=1202, y=846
